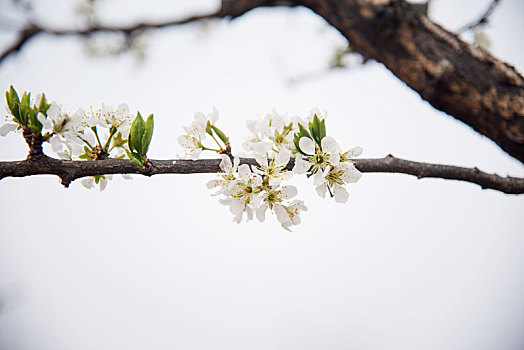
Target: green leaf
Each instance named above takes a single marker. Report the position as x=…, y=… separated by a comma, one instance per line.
x=13, y=102
x=322, y=129
x=148, y=134
x=43, y=107
x=34, y=123
x=136, y=162
x=25, y=107
x=136, y=133
x=315, y=130
x=303, y=131
x=221, y=135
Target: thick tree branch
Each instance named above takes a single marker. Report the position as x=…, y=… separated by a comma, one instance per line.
x=69, y=171
x=455, y=77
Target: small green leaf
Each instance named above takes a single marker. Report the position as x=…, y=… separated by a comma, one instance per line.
x=13, y=102
x=303, y=131
x=221, y=135
x=136, y=162
x=34, y=123
x=136, y=133
x=24, y=108
x=315, y=130
x=322, y=129
x=148, y=134
x=43, y=107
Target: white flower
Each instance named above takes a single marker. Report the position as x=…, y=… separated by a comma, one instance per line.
x=61, y=126
x=196, y=133
x=290, y=216
x=273, y=199
x=227, y=179
x=319, y=157
x=333, y=178
x=101, y=180
x=274, y=170
x=270, y=135
x=119, y=118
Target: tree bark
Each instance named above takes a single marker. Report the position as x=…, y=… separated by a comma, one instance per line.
x=455, y=77
x=69, y=170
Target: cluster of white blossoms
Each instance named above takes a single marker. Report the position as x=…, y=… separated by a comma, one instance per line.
x=90, y=135
x=274, y=140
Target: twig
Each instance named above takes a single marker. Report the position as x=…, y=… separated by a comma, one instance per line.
x=32, y=30
x=482, y=20
x=69, y=171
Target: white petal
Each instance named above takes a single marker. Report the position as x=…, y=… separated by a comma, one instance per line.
x=225, y=164
x=236, y=162
x=102, y=183
x=301, y=166
x=261, y=212
x=87, y=182
x=288, y=192
x=7, y=128
x=237, y=206
x=56, y=145
x=307, y=145
x=341, y=194
x=282, y=215
x=214, y=115
x=45, y=122
x=334, y=158
x=319, y=178
x=329, y=145
x=282, y=158
x=355, y=151
x=127, y=177
x=200, y=118
x=196, y=153
x=212, y=184
x=261, y=159
x=321, y=190
x=244, y=171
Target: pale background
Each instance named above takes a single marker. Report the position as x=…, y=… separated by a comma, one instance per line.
x=156, y=263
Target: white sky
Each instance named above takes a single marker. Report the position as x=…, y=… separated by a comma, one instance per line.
x=157, y=262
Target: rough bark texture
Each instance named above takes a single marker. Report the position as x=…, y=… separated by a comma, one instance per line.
x=453, y=76
x=69, y=170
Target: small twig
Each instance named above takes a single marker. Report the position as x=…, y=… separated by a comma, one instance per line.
x=69, y=170
x=482, y=20
x=33, y=29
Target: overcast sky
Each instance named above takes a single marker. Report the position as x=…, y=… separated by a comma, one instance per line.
x=158, y=263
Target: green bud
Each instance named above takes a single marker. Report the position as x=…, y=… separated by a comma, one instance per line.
x=221, y=135
x=43, y=107
x=148, y=134
x=136, y=133
x=13, y=102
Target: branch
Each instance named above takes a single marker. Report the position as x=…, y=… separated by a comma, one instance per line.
x=482, y=20
x=32, y=30
x=69, y=171
x=453, y=76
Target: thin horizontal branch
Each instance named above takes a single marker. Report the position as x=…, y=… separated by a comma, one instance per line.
x=483, y=19
x=32, y=30
x=69, y=171
x=454, y=77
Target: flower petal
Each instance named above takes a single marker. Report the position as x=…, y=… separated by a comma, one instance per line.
x=7, y=128
x=341, y=194
x=288, y=192
x=307, y=145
